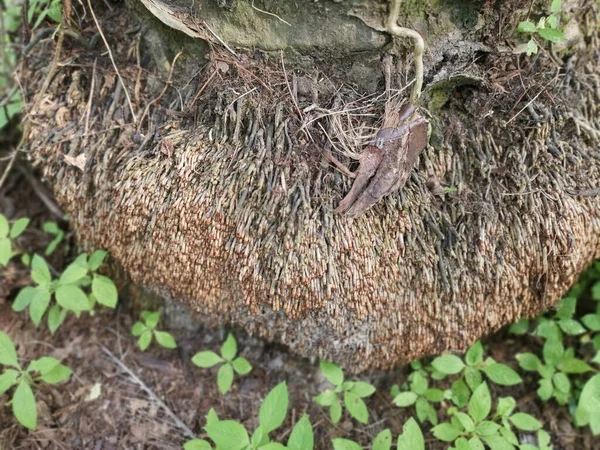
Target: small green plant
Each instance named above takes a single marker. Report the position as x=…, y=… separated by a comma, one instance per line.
x=7, y=234
x=231, y=435
x=471, y=429
x=44, y=9
x=383, y=441
x=69, y=290
x=46, y=369
x=53, y=229
x=546, y=28
x=231, y=364
x=353, y=393
x=146, y=329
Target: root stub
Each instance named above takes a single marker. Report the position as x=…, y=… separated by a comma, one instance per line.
x=217, y=196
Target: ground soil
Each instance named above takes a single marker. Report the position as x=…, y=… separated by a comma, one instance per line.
x=100, y=350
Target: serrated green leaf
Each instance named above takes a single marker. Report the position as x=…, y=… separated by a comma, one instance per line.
x=165, y=339
x=502, y=374
x=412, y=437
x=105, y=291
x=480, y=403
x=302, y=436
x=448, y=364
x=229, y=348
x=8, y=354
x=332, y=372
x=225, y=378
x=228, y=434
x=274, y=408
x=18, y=227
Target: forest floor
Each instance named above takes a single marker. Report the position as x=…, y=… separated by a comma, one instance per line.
x=118, y=395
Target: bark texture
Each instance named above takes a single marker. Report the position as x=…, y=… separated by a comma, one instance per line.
x=216, y=194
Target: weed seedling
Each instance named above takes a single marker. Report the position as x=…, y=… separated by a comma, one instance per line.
x=146, y=329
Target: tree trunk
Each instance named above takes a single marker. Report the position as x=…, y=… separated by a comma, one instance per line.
x=199, y=164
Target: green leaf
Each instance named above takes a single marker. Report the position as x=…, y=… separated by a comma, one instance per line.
x=165, y=339
x=96, y=259
x=574, y=365
x=592, y=321
x=272, y=446
x=418, y=383
x=23, y=406
x=460, y=393
x=526, y=27
x=472, y=377
x=466, y=421
x=448, y=364
x=545, y=389
x=326, y=398
x=497, y=442
x=43, y=365
x=362, y=389
x=335, y=411
x=302, y=436
x=24, y=298
x=561, y=382
x=345, y=444
x=412, y=437
x=58, y=374
x=39, y=271
x=552, y=35
x=8, y=379
x=571, y=327
x=480, y=403
x=505, y=407
x=566, y=308
x=405, y=399
x=8, y=354
x=553, y=351
x=519, y=328
x=434, y=395
x=151, y=318
x=72, y=298
x=528, y=362
x=241, y=366
x=228, y=434
x=259, y=437
x=225, y=378
x=138, y=328
x=56, y=317
x=525, y=422
x=39, y=304
x=502, y=374
x=229, y=348
x=211, y=417
x=486, y=428
x=532, y=47
x=206, y=359
x=475, y=354
x=555, y=6
x=105, y=291
x=274, y=408
x=145, y=340
x=475, y=443
x=73, y=273
x=446, y=432
x=18, y=227
x=552, y=21
x=4, y=227
x=356, y=407
x=383, y=441
x=197, y=444
x=332, y=372
x=5, y=251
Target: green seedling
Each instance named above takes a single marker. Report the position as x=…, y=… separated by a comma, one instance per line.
x=147, y=328
x=7, y=234
x=547, y=28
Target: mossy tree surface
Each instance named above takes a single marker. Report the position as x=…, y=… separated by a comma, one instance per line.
x=216, y=195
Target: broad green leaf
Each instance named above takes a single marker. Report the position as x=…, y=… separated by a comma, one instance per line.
x=326, y=398
x=335, y=411
x=241, y=366
x=39, y=304
x=23, y=406
x=229, y=348
x=302, y=436
x=519, y=328
x=332, y=372
x=571, y=327
x=272, y=446
x=592, y=321
x=448, y=364
x=466, y=421
x=480, y=403
x=555, y=6
x=4, y=227
x=105, y=291
x=228, y=434
x=566, y=308
x=197, y=444
x=138, y=328
x=96, y=259
x=528, y=362
x=72, y=298
x=356, y=407
x=525, y=422
x=434, y=395
x=5, y=251
x=362, y=389
x=73, y=273
x=274, y=408
x=506, y=405
x=225, y=378
x=502, y=374
x=526, y=27
x=56, y=317
x=211, y=417
x=43, y=365
x=446, y=432
x=486, y=428
x=461, y=444
x=423, y=410
x=24, y=298
x=151, y=318
x=553, y=351
x=405, y=399
x=383, y=441
x=551, y=34
x=165, y=339
x=39, y=271
x=418, y=383
x=206, y=359
x=8, y=354
x=561, y=382
x=589, y=402
x=475, y=354
x=473, y=377
x=58, y=374
x=259, y=437
x=574, y=365
x=7, y=379
x=345, y=444
x=145, y=340
x=412, y=437
x=18, y=227
x=497, y=442
x=476, y=444
x=460, y=393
